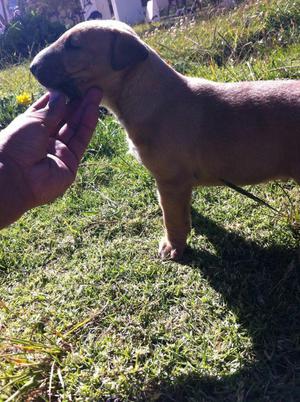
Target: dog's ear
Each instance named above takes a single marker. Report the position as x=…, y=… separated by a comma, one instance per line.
x=127, y=51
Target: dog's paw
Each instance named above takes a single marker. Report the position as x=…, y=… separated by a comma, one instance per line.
x=169, y=251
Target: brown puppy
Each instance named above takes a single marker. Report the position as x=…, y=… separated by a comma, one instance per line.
x=186, y=131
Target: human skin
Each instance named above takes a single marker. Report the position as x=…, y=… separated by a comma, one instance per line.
x=41, y=149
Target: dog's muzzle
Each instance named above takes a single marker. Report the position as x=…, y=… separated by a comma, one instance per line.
x=49, y=71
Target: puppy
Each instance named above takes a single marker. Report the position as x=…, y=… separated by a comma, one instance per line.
x=186, y=131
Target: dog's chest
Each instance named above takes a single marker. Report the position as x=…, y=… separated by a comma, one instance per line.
x=133, y=150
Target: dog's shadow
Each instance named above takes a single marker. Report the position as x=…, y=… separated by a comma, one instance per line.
x=262, y=286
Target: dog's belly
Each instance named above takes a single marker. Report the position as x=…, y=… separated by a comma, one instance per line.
x=210, y=164
x=244, y=165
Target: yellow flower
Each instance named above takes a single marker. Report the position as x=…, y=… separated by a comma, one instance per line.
x=24, y=99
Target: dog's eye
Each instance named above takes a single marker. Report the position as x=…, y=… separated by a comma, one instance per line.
x=72, y=43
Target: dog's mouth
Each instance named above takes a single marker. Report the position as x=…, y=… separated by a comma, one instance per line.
x=70, y=89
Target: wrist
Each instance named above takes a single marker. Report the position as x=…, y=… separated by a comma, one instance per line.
x=12, y=186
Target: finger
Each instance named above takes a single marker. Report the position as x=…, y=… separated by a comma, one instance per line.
x=87, y=125
x=73, y=118
x=53, y=113
x=40, y=103
x=94, y=95
x=61, y=151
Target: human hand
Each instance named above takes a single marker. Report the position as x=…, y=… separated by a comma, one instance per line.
x=41, y=149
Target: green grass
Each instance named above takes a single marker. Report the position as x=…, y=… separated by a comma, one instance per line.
x=18, y=79
x=87, y=310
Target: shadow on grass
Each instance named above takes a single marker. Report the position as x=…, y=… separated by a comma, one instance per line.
x=262, y=286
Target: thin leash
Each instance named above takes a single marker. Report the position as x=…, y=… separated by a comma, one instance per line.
x=249, y=195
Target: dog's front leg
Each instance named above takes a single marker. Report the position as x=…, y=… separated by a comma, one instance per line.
x=175, y=201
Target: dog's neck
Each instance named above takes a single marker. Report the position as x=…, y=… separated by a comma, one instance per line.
x=132, y=100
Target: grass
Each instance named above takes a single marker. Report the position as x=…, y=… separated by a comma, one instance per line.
x=87, y=310
x=18, y=79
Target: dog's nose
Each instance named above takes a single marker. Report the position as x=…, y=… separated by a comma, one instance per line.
x=48, y=68
x=33, y=68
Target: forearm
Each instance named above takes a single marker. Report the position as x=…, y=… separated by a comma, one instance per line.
x=12, y=204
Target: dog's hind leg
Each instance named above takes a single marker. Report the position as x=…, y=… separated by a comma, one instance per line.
x=175, y=203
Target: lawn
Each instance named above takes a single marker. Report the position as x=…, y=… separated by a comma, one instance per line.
x=87, y=310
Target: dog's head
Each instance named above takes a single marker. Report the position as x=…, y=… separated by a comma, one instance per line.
x=93, y=53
